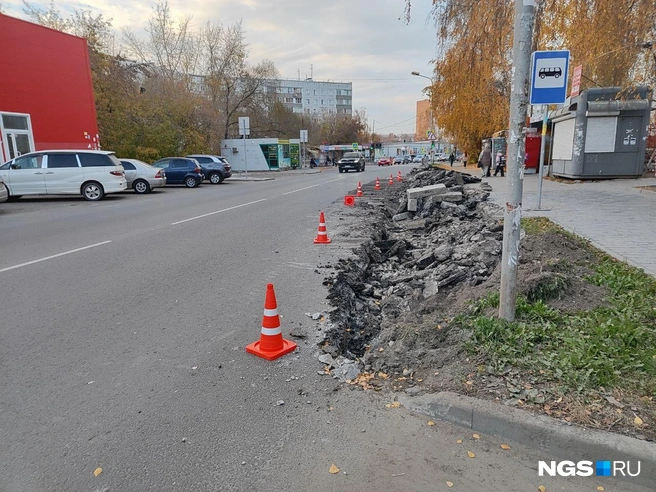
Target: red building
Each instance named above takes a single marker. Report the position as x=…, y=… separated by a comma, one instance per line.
x=46, y=93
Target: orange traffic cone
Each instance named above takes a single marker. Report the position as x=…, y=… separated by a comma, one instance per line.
x=399, y=177
x=349, y=201
x=271, y=344
x=359, y=192
x=322, y=235
x=391, y=180
x=377, y=187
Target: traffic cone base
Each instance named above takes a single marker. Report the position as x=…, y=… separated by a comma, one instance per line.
x=271, y=344
x=349, y=201
x=287, y=347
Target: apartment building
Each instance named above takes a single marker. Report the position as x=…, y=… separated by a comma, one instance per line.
x=314, y=97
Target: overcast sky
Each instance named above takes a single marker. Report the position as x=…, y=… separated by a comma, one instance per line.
x=361, y=41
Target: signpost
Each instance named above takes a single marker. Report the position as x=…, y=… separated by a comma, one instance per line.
x=244, y=130
x=304, y=140
x=548, y=86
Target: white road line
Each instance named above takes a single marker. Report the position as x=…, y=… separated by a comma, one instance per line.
x=217, y=212
x=337, y=179
x=53, y=256
x=302, y=189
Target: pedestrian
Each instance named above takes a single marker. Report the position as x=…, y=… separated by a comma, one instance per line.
x=313, y=163
x=452, y=158
x=500, y=162
x=464, y=159
x=485, y=161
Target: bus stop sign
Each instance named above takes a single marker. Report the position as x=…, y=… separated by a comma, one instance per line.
x=549, y=77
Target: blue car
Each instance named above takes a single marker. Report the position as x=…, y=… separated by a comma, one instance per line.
x=181, y=170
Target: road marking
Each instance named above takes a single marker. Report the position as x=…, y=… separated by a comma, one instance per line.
x=53, y=256
x=338, y=179
x=217, y=212
x=302, y=189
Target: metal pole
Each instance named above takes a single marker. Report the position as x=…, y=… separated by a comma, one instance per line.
x=545, y=117
x=524, y=18
x=245, y=160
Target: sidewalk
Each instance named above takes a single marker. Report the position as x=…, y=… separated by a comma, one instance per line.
x=615, y=215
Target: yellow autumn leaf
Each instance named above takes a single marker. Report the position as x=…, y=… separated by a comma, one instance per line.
x=396, y=404
x=542, y=488
x=431, y=423
x=476, y=436
x=637, y=421
x=505, y=446
x=333, y=469
x=600, y=488
x=449, y=484
x=459, y=441
x=97, y=472
x=470, y=454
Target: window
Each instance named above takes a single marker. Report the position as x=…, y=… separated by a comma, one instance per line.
x=31, y=162
x=330, y=102
x=298, y=100
x=163, y=164
x=204, y=160
x=128, y=166
x=94, y=160
x=322, y=103
x=14, y=122
x=316, y=101
x=62, y=160
x=180, y=164
x=315, y=92
x=307, y=101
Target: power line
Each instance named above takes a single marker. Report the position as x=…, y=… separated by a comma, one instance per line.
x=397, y=124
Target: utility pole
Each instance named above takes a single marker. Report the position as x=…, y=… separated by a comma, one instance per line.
x=523, y=38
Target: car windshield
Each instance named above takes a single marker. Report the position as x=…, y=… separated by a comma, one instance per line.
x=351, y=155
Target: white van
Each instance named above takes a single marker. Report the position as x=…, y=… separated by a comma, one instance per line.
x=91, y=173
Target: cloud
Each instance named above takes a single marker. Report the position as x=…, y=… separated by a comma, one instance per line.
x=362, y=41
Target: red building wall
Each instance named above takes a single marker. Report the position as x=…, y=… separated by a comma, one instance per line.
x=47, y=75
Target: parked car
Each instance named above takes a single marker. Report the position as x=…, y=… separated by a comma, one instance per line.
x=215, y=168
x=143, y=177
x=385, y=161
x=421, y=158
x=399, y=159
x=351, y=160
x=91, y=173
x=4, y=194
x=181, y=170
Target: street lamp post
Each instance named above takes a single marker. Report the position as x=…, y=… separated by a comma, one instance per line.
x=430, y=96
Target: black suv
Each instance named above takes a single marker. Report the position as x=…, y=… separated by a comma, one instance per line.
x=351, y=160
x=181, y=170
x=215, y=167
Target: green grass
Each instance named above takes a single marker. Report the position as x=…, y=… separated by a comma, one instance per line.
x=609, y=346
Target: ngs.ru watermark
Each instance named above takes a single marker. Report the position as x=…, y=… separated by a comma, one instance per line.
x=589, y=468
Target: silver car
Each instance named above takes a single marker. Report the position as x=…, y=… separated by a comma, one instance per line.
x=4, y=194
x=143, y=177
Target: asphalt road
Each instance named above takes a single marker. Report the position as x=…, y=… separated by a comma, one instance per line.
x=122, y=332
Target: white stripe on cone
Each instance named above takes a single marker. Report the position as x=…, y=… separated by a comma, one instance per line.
x=271, y=312
x=271, y=331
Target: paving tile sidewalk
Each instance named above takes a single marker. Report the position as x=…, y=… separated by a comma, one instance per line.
x=615, y=215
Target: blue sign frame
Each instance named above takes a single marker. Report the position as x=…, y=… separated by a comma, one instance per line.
x=549, y=70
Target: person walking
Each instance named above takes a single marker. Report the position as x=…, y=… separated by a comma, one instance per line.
x=485, y=161
x=500, y=164
x=452, y=158
x=464, y=159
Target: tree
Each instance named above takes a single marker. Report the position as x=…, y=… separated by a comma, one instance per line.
x=472, y=71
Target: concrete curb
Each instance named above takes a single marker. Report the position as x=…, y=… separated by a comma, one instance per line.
x=551, y=436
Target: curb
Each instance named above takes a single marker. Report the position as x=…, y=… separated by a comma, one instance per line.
x=551, y=436
x=249, y=178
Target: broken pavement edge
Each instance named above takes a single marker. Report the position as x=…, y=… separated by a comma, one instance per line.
x=551, y=436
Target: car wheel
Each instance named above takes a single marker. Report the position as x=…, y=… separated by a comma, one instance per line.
x=140, y=186
x=215, y=178
x=93, y=191
x=341, y=170
x=191, y=182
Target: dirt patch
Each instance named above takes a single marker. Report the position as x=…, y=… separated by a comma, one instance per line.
x=398, y=299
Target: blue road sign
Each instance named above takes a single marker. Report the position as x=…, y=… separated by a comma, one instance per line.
x=549, y=77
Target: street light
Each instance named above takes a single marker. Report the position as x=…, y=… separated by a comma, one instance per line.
x=430, y=95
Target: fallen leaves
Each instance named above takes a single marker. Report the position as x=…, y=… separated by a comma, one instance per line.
x=333, y=469
x=449, y=484
x=431, y=423
x=505, y=447
x=542, y=488
x=476, y=436
x=97, y=472
x=600, y=488
x=470, y=454
x=396, y=404
x=637, y=421
x=459, y=441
